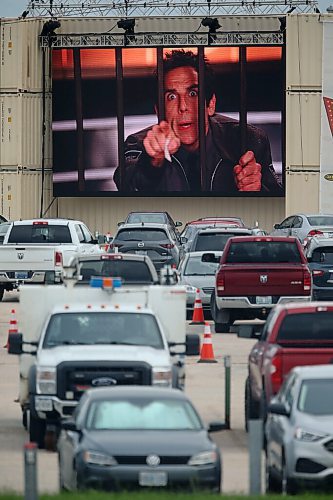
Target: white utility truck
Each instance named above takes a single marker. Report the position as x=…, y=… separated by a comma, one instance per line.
x=74, y=338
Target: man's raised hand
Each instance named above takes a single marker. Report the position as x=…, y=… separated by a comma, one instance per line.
x=248, y=173
x=155, y=142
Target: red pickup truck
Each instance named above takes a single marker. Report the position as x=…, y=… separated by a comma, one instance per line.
x=255, y=274
x=294, y=334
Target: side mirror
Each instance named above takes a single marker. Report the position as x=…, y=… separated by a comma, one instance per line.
x=15, y=343
x=94, y=241
x=120, y=223
x=183, y=240
x=309, y=259
x=192, y=344
x=210, y=257
x=101, y=239
x=276, y=226
x=216, y=426
x=278, y=409
x=178, y=223
x=69, y=425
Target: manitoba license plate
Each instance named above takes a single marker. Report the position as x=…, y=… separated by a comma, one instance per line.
x=153, y=478
x=264, y=300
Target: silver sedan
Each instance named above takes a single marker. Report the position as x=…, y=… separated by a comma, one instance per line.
x=299, y=431
x=304, y=226
x=197, y=271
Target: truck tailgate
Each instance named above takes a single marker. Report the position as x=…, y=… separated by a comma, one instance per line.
x=300, y=356
x=26, y=257
x=257, y=279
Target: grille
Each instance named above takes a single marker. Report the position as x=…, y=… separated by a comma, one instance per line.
x=208, y=290
x=141, y=460
x=308, y=466
x=329, y=446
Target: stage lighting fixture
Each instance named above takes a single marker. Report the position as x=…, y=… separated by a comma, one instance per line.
x=127, y=25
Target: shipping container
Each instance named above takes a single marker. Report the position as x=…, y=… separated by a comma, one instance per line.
x=303, y=192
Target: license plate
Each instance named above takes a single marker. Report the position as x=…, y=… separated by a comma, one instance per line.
x=153, y=478
x=42, y=404
x=21, y=275
x=142, y=252
x=264, y=300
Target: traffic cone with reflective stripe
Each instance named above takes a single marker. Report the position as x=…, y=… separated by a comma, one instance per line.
x=198, y=314
x=12, y=326
x=207, y=352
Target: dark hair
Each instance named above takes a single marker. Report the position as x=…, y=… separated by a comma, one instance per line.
x=179, y=58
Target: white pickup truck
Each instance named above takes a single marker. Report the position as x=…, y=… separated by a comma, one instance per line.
x=74, y=338
x=34, y=251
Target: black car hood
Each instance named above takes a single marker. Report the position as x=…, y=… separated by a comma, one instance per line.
x=140, y=442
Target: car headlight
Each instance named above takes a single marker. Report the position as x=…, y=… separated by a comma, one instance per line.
x=203, y=458
x=162, y=376
x=307, y=436
x=93, y=457
x=46, y=380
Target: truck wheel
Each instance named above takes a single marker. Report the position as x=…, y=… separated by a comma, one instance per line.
x=222, y=327
x=213, y=306
x=37, y=431
x=251, y=407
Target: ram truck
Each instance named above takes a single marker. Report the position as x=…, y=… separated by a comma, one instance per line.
x=294, y=334
x=34, y=251
x=78, y=337
x=255, y=274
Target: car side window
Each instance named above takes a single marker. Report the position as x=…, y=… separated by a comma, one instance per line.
x=79, y=233
x=87, y=235
x=287, y=222
x=289, y=394
x=297, y=222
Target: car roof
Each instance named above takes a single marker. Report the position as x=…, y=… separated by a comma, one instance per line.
x=314, y=371
x=143, y=225
x=225, y=229
x=313, y=306
x=57, y=222
x=135, y=392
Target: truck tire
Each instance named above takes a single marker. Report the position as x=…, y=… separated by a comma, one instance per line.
x=37, y=431
x=252, y=408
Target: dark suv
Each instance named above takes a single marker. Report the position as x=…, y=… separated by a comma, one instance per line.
x=319, y=252
x=215, y=238
x=153, y=217
x=159, y=241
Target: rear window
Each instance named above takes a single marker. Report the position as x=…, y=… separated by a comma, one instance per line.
x=40, y=234
x=142, y=235
x=196, y=267
x=306, y=329
x=323, y=255
x=129, y=271
x=211, y=241
x=264, y=251
x=155, y=218
x=321, y=220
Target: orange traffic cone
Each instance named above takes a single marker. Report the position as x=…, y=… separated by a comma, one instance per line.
x=12, y=326
x=198, y=314
x=207, y=352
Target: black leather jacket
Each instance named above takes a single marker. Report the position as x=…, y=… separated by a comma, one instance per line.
x=223, y=153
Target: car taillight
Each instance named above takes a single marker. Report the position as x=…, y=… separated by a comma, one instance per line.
x=276, y=372
x=167, y=245
x=318, y=272
x=58, y=259
x=314, y=232
x=306, y=280
x=220, y=282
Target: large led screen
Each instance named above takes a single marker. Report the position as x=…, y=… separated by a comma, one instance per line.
x=177, y=121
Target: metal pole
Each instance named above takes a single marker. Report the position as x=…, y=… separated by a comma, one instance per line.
x=227, y=371
x=255, y=449
x=30, y=471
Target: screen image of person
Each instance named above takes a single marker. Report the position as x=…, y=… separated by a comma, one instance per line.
x=165, y=157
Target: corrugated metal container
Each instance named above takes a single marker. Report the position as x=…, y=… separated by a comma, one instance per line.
x=304, y=52
x=21, y=56
x=303, y=130
x=102, y=214
x=20, y=194
x=21, y=130
x=303, y=189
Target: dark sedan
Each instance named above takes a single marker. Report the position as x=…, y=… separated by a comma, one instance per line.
x=123, y=438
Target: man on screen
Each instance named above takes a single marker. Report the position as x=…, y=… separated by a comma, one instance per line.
x=166, y=157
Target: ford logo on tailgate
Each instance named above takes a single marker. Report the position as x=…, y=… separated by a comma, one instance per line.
x=103, y=381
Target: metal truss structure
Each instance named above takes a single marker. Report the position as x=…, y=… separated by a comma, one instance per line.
x=172, y=8
x=163, y=39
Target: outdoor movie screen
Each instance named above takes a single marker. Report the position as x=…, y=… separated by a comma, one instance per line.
x=123, y=128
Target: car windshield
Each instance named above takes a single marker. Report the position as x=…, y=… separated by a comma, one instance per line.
x=166, y=414
x=306, y=329
x=195, y=266
x=263, y=251
x=323, y=255
x=130, y=271
x=321, y=220
x=316, y=397
x=141, y=235
x=155, y=218
x=211, y=241
x=91, y=328
x=39, y=233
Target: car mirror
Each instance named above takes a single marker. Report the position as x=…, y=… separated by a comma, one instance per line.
x=309, y=259
x=120, y=223
x=183, y=240
x=216, y=426
x=210, y=257
x=69, y=425
x=278, y=409
x=101, y=239
x=276, y=226
x=178, y=223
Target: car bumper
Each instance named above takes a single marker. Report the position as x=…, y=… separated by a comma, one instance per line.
x=246, y=303
x=310, y=463
x=128, y=477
